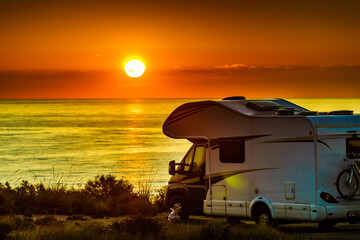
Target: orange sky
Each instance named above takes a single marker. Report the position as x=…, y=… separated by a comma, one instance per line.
x=77, y=49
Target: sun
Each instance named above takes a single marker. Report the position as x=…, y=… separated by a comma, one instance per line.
x=134, y=68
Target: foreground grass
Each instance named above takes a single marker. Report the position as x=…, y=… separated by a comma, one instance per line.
x=134, y=228
x=103, y=196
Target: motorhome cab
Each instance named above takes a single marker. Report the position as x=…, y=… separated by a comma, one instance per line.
x=269, y=160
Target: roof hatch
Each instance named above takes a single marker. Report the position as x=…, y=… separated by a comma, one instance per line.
x=264, y=105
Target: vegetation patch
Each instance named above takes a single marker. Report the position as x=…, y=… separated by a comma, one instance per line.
x=103, y=196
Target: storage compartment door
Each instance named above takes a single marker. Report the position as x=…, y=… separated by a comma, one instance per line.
x=218, y=200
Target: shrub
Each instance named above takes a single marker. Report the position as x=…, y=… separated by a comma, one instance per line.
x=46, y=221
x=25, y=197
x=23, y=223
x=106, y=186
x=7, y=203
x=141, y=206
x=159, y=200
x=52, y=200
x=5, y=229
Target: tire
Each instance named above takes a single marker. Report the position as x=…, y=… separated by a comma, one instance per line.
x=178, y=199
x=345, y=189
x=262, y=216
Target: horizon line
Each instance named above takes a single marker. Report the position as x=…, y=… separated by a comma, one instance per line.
x=158, y=98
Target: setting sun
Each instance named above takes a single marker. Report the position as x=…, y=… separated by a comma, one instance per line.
x=134, y=68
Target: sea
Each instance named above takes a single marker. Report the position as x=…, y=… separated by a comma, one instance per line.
x=70, y=141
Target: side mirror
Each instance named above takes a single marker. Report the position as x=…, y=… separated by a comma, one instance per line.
x=172, y=167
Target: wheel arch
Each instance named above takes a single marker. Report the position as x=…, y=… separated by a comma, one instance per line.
x=180, y=192
x=261, y=201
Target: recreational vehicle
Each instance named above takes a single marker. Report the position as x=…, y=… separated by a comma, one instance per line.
x=268, y=160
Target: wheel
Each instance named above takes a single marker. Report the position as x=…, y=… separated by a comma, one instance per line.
x=178, y=202
x=262, y=216
x=345, y=188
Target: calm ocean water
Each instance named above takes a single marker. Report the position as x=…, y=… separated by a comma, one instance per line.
x=74, y=140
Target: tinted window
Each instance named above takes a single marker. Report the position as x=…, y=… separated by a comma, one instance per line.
x=232, y=151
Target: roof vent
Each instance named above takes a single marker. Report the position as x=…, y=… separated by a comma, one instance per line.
x=264, y=105
x=235, y=98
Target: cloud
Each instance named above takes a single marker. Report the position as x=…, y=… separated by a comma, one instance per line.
x=240, y=70
x=232, y=66
x=240, y=67
x=218, y=68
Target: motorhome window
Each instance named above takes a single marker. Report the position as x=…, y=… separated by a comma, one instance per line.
x=232, y=151
x=198, y=158
x=187, y=161
x=353, y=146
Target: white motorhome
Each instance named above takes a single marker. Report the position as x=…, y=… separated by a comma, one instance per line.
x=269, y=160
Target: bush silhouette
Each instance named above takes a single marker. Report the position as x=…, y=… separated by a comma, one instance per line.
x=5, y=229
x=103, y=196
x=106, y=186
